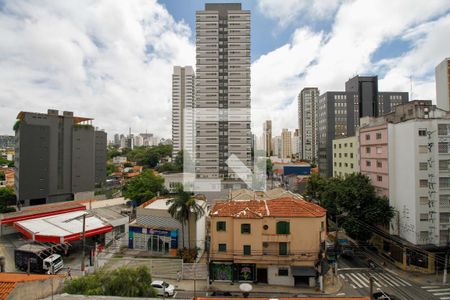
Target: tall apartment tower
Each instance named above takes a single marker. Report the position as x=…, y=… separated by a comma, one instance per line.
x=295, y=143
x=442, y=73
x=267, y=137
x=183, y=93
x=307, y=123
x=222, y=101
x=58, y=157
x=339, y=113
x=286, y=143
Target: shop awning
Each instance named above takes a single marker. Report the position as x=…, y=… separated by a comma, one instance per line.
x=303, y=271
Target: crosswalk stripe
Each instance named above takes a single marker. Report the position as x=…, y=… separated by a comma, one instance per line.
x=353, y=281
x=438, y=290
x=441, y=294
x=393, y=278
x=362, y=277
x=366, y=277
x=362, y=284
x=382, y=280
x=404, y=281
x=393, y=282
x=444, y=298
x=430, y=286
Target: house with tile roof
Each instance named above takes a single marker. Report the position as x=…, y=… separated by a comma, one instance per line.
x=266, y=240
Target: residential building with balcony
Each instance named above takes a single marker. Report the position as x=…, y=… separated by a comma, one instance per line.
x=275, y=241
x=345, y=156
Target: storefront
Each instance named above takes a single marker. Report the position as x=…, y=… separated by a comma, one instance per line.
x=156, y=241
x=227, y=271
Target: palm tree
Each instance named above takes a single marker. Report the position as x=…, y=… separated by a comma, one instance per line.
x=182, y=207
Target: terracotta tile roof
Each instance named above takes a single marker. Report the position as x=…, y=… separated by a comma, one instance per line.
x=280, y=207
x=307, y=298
x=8, y=281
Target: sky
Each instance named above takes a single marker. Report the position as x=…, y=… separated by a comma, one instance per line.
x=112, y=60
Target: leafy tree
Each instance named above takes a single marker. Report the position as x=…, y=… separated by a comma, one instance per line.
x=184, y=208
x=122, y=282
x=315, y=186
x=3, y=161
x=110, y=168
x=10, y=164
x=179, y=160
x=167, y=167
x=113, y=152
x=269, y=167
x=144, y=187
x=2, y=176
x=7, y=197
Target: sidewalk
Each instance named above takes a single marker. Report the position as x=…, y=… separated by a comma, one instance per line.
x=201, y=285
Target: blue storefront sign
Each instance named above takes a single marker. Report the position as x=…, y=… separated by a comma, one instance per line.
x=173, y=234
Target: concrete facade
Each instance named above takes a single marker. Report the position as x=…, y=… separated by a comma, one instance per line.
x=339, y=113
x=308, y=123
x=57, y=156
x=267, y=137
x=345, y=156
x=183, y=94
x=286, y=144
x=442, y=74
x=222, y=101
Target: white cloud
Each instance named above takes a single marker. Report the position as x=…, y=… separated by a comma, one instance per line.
x=290, y=11
x=359, y=29
x=111, y=60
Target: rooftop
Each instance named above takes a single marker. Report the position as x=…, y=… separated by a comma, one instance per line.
x=280, y=207
x=8, y=281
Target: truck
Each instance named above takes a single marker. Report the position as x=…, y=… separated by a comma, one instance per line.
x=38, y=258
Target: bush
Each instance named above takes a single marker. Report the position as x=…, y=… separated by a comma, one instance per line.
x=122, y=282
x=188, y=255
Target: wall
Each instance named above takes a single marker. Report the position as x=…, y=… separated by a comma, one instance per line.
x=273, y=278
x=33, y=290
x=344, y=165
x=442, y=85
x=83, y=163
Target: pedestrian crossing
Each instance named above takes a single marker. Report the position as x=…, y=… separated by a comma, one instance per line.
x=440, y=291
x=358, y=280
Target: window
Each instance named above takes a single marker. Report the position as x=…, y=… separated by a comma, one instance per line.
x=423, y=166
x=442, y=129
x=424, y=148
x=247, y=250
x=367, y=137
x=379, y=150
x=367, y=149
x=444, y=165
x=444, y=182
x=368, y=163
x=422, y=132
x=423, y=200
x=282, y=247
x=322, y=226
x=351, y=155
x=351, y=144
x=378, y=135
x=222, y=247
x=423, y=217
x=282, y=227
x=245, y=228
x=351, y=166
x=423, y=183
x=379, y=164
x=221, y=226
x=379, y=178
x=283, y=272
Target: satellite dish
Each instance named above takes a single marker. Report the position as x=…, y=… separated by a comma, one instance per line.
x=245, y=287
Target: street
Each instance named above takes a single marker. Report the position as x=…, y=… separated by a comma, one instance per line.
x=355, y=275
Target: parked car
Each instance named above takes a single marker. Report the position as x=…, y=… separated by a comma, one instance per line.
x=383, y=296
x=345, y=248
x=163, y=288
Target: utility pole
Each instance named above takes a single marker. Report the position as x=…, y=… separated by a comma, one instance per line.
x=83, y=254
x=371, y=287
x=444, y=278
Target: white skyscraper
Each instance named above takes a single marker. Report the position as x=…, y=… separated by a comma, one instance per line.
x=222, y=103
x=183, y=92
x=307, y=123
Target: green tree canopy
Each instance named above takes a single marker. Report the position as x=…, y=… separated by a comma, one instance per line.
x=149, y=157
x=144, y=187
x=123, y=282
x=7, y=197
x=354, y=199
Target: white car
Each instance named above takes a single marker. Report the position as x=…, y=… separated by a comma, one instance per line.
x=163, y=288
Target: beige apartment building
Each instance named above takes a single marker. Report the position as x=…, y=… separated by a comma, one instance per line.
x=286, y=144
x=274, y=241
x=345, y=156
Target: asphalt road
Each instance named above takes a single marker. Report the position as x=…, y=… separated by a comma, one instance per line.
x=355, y=274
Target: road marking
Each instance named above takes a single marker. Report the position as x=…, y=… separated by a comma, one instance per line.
x=395, y=280
x=340, y=294
x=430, y=286
x=174, y=295
x=438, y=290
x=358, y=281
x=382, y=280
x=444, y=298
x=441, y=294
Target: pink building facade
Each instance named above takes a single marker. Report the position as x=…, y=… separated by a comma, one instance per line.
x=373, y=141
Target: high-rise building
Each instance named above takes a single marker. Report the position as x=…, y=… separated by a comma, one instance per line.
x=116, y=139
x=277, y=146
x=58, y=157
x=295, y=143
x=286, y=143
x=307, y=123
x=183, y=93
x=442, y=73
x=339, y=113
x=267, y=137
x=222, y=103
